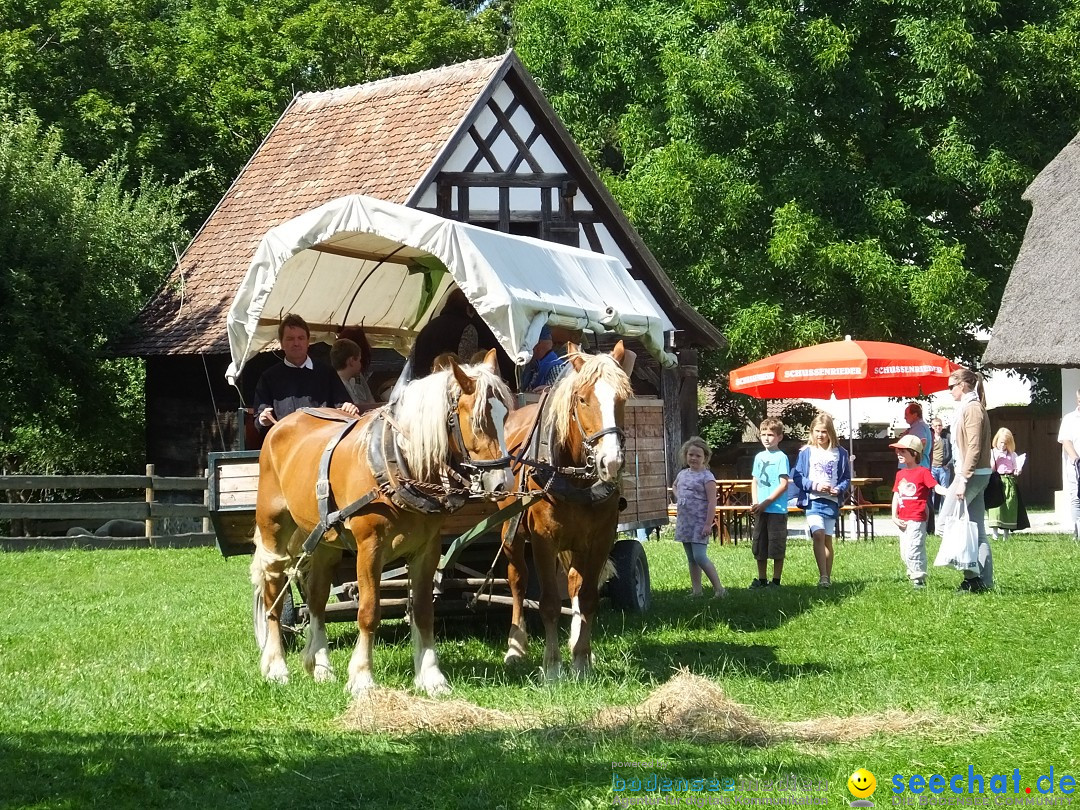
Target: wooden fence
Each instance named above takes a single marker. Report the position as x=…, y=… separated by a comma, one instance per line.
x=151, y=511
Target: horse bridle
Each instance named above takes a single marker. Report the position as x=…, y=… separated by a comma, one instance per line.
x=590, y=442
x=469, y=467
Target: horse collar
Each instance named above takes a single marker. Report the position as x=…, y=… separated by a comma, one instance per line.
x=392, y=473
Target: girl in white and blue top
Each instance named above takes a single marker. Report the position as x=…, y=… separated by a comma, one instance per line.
x=822, y=478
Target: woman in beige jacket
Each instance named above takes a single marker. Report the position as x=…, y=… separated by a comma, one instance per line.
x=971, y=456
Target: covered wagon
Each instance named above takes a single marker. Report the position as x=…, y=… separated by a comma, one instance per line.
x=358, y=261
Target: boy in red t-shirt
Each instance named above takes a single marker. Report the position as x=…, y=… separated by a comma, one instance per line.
x=911, y=497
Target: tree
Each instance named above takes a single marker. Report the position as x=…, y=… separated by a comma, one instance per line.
x=805, y=172
x=189, y=89
x=78, y=256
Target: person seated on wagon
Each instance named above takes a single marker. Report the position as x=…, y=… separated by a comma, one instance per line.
x=347, y=358
x=546, y=365
x=298, y=382
x=457, y=329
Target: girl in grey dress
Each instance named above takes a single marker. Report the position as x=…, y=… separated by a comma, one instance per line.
x=695, y=497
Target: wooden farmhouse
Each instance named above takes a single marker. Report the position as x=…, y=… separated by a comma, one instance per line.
x=476, y=142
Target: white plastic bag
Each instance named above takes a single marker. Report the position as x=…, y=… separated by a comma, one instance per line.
x=959, y=540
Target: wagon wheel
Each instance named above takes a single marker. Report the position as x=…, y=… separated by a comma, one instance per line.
x=631, y=588
x=290, y=618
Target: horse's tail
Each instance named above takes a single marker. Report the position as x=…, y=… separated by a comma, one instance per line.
x=607, y=570
x=264, y=563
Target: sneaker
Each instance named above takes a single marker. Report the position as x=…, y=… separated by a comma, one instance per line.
x=918, y=584
x=757, y=583
x=824, y=582
x=774, y=583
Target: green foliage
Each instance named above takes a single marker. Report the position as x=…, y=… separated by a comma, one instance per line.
x=189, y=89
x=78, y=256
x=806, y=173
x=797, y=418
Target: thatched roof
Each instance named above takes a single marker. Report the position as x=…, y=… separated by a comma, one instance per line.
x=1036, y=325
x=386, y=139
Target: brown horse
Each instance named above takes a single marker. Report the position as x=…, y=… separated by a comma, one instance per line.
x=448, y=424
x=577, y=428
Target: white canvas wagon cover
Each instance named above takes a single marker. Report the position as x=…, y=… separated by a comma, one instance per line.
x=361, y=261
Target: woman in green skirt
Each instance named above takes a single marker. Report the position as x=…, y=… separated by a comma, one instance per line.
x=1004, y=461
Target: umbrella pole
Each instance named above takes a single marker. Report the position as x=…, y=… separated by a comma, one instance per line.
x=850, y=436
x=851, y=459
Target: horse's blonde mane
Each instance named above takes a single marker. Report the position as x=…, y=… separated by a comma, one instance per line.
x=596, y=367
x=422, y=409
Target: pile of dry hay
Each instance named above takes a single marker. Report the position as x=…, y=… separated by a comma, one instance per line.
x=688, y=707
x=395, y=711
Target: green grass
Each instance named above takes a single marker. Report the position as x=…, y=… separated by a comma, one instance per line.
x=130, y=679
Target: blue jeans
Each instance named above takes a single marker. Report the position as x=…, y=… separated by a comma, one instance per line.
x=1072, y=492
x=976, y=509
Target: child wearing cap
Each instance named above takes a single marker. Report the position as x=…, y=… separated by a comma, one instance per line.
x=911, y=496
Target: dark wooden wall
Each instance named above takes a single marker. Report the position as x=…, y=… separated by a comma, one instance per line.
x=1036, y=435
x=190, y=411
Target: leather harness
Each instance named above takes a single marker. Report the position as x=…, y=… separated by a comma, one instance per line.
x=391, y=471
x=556, y=480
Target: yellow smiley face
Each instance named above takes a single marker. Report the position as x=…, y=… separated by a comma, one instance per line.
x=862, y=784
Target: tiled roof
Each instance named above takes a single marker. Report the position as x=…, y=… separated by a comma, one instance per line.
x=377, y=139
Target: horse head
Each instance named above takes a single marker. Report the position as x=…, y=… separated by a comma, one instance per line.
x=478, y=425
x=590, y=404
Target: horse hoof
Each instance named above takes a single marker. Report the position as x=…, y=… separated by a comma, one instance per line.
x=323, y=674
x=434, y=688
x=514, y=658
x=359, y=685
x=276, y=672
x=583, y=665
x=552, y=674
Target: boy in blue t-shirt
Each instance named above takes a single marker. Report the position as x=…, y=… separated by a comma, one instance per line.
x=769, y=493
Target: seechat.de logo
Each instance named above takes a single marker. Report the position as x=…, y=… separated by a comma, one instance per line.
x=862, y=785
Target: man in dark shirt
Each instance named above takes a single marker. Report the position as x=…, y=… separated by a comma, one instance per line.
x=298, y=382
x=458, y=329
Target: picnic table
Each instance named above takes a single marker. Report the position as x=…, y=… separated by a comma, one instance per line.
x=734, y=520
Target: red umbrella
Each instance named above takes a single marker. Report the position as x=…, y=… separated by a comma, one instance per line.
x=845, y=369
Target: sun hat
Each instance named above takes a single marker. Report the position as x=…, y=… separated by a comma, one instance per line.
x=909, y=442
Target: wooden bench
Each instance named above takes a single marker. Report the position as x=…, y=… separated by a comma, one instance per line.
x=736, y=522
x=864, y=519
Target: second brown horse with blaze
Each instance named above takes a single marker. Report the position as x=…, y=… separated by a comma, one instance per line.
x=573, y=440
x=389, y=476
